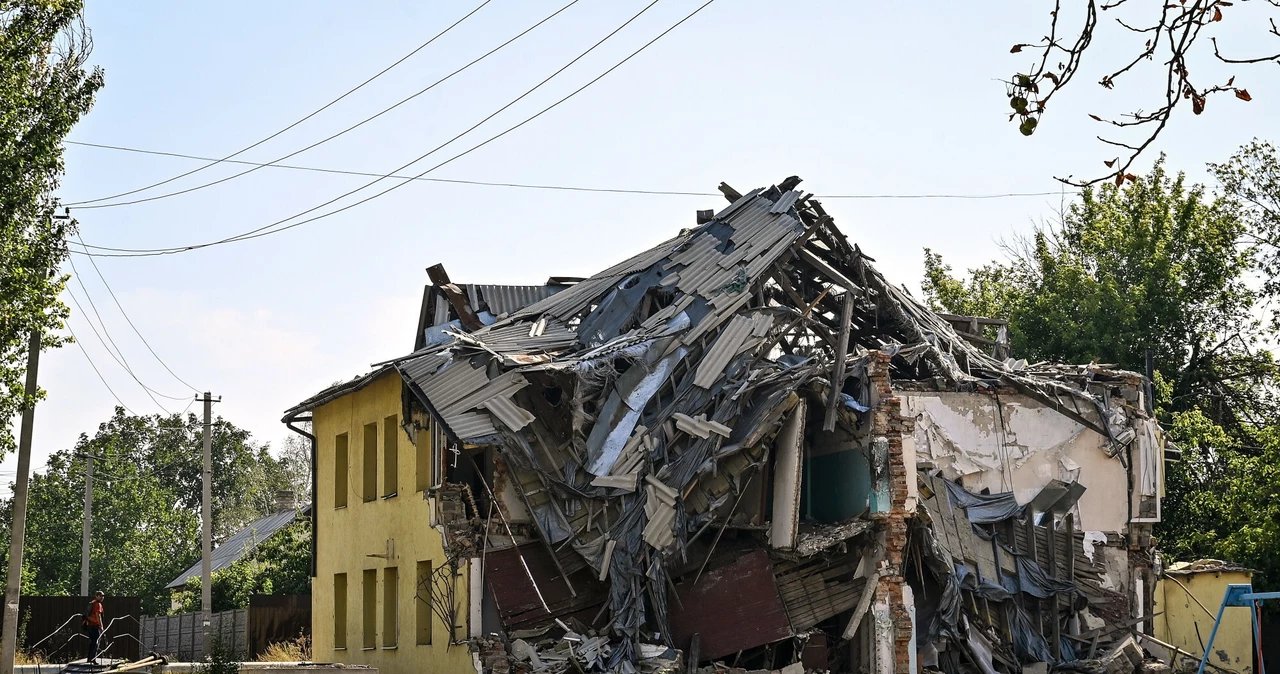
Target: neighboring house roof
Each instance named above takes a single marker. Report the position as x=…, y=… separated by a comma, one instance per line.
x=241, y=543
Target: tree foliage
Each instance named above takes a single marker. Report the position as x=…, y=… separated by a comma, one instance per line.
x=1162, y=265
x=45, y=89
x=146, y=511
x=1251, y=180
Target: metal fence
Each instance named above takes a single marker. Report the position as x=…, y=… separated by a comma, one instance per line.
x=181, y=637
x=50, y=626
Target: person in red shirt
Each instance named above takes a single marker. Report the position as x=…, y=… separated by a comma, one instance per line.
x=93, y=626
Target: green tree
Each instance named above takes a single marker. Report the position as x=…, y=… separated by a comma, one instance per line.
x=146, y=515
x=1154, y=265
x=1251, y=180
x=1162, y=265
x=44, y=90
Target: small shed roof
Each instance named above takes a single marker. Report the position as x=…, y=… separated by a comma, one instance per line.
x=241, y=543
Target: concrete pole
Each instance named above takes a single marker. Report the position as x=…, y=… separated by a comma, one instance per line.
x=206, y=534
x=13, y=584
x=88, y=525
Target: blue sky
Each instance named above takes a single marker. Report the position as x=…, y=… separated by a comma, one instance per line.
x=856, y=98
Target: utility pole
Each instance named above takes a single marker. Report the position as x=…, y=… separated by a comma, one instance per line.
x=13, y=585
x=206, y=526
x=88, y=525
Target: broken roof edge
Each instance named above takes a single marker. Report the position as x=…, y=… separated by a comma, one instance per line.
x=336, y=391
x=1205, y=566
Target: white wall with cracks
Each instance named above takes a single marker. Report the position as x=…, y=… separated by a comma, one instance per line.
x=1018, y=445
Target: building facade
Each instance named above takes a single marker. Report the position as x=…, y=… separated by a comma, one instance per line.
x=384, y=594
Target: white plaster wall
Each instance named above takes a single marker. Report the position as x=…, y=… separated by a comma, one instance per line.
x=962, y=433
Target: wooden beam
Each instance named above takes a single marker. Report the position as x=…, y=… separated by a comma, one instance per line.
x=842, y=352
x=827, y=270
x=457, y=299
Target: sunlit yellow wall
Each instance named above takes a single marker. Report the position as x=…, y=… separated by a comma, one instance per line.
x=1180, y=616
x=348, y=535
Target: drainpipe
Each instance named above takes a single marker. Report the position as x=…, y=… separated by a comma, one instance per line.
x=314, y=511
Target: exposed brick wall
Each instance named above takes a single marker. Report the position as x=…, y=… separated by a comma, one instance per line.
x=888, y=421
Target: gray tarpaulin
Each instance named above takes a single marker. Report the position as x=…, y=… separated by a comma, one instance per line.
x=983, y=508
x=1034, y=581
x=1027, y=642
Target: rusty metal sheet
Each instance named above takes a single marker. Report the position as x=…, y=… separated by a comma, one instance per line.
x=517, y=600
x=733, y=608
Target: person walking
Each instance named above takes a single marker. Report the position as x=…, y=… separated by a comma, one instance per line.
x=92, y=624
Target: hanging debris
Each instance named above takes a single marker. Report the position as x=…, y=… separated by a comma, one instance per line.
x=746, y=445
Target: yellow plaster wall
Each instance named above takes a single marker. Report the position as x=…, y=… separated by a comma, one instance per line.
x=1180, y=616
x=348, y=535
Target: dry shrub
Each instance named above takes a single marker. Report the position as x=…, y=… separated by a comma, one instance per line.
x=297, y=650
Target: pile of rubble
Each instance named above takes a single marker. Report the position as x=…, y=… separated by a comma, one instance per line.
x=735, y=445
x=557, y=649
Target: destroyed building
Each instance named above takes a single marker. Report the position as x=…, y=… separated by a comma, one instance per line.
x=745, y=445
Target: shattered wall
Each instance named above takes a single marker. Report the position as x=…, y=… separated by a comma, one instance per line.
x=1011, y=443
x=751, y=408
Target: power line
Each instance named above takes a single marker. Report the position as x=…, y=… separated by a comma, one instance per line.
x=309, y=116
x=130, y=322
x=257, y=166
x=267, y=229
x=532, y=186
x=97, y=372
x=119, y=354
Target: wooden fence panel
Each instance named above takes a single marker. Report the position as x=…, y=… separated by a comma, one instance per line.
x=277, y=618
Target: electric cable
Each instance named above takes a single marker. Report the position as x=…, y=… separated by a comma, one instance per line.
x=151, y=393
x=98, y=372
x=566, y=188
x=257, y=166
x=309, y=116
x=130, y=321
x=267, y=229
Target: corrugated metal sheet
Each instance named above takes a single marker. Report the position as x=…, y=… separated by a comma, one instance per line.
x=742, y=201
x=471, y=425
x=514, y=337
x=240, y=544
x=569, y=302
x=509, y=299
x=336, y=391
x=784, y=202
x=722, y=351
x=509, y=413
x=456, y=379
x=422, y=367
x=505, y=385
x=728, y=618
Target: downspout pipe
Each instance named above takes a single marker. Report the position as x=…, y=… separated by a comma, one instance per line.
x=289, y=423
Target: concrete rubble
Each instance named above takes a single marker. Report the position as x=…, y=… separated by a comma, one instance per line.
x=746, y=450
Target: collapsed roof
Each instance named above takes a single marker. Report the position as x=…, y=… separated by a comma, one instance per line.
x=634, y=407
